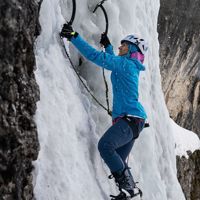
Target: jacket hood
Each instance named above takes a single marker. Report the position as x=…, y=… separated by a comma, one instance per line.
x=139, y=65
x=134, y=49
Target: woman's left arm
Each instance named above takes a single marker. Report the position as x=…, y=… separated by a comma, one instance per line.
x=109, y=49
x=100, y=58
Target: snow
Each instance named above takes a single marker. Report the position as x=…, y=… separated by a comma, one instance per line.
x=185, y=140
x=69, y=122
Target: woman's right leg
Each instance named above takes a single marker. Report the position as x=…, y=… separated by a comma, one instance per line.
x=125, y=150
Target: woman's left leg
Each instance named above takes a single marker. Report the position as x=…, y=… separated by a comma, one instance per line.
x=115, y=137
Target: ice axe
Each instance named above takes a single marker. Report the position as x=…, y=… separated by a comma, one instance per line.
x=100, y=5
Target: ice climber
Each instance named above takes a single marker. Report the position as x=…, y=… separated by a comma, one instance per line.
x=128, y=114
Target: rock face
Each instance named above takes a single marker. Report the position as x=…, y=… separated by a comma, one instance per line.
x=179, y=33
x=19, y=93
x=189, y=175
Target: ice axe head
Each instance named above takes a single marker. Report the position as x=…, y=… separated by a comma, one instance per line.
x=100, y=5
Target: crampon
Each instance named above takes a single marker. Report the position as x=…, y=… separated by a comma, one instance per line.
x=123, y=196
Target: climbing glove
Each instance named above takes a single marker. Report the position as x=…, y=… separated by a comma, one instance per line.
x=68, y=32
x=104, y=40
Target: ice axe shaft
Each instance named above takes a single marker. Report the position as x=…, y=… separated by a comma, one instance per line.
x=100, y=5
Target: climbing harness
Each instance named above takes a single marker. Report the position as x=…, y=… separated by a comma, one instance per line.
x=74, y=68
x=100, y=5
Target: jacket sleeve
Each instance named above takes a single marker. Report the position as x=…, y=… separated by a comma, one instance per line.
x=100, y=58
x=109, y=49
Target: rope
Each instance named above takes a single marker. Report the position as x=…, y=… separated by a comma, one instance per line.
x=106, y=86
x=85, y=86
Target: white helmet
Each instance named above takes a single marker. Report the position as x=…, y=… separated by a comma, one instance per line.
x=134, y=39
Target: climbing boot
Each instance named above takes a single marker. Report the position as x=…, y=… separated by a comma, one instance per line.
x=124, y=180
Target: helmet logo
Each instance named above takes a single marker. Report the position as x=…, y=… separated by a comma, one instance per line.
x=131, y=37
x=137, y=42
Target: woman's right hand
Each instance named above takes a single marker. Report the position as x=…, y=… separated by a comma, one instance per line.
x=104, y=41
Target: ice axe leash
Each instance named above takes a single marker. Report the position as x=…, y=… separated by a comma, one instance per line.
x=100, y=5
x=73, y=66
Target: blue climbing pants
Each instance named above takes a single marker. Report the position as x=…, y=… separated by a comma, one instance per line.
x=117, y=142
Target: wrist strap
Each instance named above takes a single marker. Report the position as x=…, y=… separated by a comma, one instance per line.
x=74, y=34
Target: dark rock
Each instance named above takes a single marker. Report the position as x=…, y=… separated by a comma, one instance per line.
x=189, y=175
x=19, y=93
x=179, y=31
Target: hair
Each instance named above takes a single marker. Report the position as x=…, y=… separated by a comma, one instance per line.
x=133, y=47
x=137, y=55
x=134, y=52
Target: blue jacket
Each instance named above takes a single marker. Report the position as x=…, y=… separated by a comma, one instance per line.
x=124, y=77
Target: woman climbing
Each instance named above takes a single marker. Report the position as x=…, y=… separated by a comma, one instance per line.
x=128, y=114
